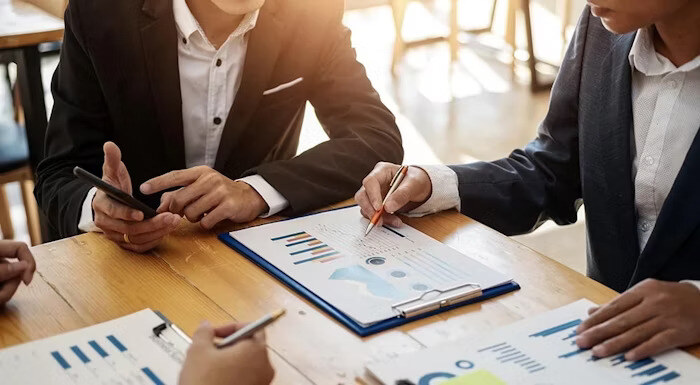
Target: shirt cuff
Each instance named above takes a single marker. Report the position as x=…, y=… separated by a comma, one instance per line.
x=87, y=219
x=696, y=283
x=275, y=201
x=445, y=193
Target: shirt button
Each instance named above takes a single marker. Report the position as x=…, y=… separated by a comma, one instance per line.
x=184, y=40
x=646, y=226
x=218, y=62
x=217, y=120
x=673, y=84
x=649, y=160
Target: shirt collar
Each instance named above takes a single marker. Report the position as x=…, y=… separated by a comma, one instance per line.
x=644, y=58
x=188, y=25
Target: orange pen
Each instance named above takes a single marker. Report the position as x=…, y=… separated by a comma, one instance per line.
x=398, y=177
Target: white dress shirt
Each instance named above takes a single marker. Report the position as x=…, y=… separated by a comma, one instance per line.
x=209, y=82
x=666, y=120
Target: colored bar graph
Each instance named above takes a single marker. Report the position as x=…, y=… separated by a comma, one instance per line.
x=152, y=376
x=665, y=378
x=572, y=335
x=307, y=250
x=288, y=236
x=298, y=237
x=116, y=343
x=651, y=371
x=638, y=364
x=315, y=258
x=571, y=354
x=98, y=349
x=556, y=329
x=61, y=361
x=617, y=360
x=310, y=240
x=80, y=354
x=321, y=251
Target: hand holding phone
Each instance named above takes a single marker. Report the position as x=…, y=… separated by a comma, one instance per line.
x=123, y=219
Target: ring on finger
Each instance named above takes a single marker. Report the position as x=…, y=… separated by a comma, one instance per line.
x=126, y=238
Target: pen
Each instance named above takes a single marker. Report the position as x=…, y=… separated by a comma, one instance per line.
x=250, y=329
x=400, y=174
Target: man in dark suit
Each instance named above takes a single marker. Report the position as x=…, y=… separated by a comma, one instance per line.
x=621, y=135
x=206, y=96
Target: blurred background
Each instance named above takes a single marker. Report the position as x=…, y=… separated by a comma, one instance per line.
x=467, y=80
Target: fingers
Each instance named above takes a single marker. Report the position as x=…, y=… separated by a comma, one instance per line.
x=628, y=339
x=142, y=248
x=661, y=342
x=615, y=326
x=9, y=288
x=392, y=220
x=113, y=209
x=204, y=335
x=172, y=179
x=11, y=270
x=114, y=170
x=217, y=215
x=402, y=196
x=226, y=330
x=373, y=191
x=377, y=183
x=619, y=305
x=20, y=251
x=183, y=197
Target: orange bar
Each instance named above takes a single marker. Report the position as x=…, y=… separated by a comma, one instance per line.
x=314, y=243
x=299, y=238
x=331, y=258
x=322, y=250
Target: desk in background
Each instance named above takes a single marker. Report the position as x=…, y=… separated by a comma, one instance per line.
x=87, y=279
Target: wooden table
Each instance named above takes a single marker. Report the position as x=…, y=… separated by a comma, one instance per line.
x=192, y=276
x=23, y=27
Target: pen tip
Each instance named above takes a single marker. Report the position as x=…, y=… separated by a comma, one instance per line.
x=279, y=313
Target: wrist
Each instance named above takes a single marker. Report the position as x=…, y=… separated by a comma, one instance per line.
x=254, y=199
x=426, y=185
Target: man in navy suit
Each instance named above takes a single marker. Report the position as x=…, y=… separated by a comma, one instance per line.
x=621, y=135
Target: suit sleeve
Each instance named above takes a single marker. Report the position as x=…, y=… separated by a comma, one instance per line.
x=516, y=194
x=362, y=130
x=78, y=127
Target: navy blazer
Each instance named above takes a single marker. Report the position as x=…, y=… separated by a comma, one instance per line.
x=582, y=154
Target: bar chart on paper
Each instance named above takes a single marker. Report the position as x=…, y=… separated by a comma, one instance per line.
x=112, y=353
x=304, y=248
x=539, y=350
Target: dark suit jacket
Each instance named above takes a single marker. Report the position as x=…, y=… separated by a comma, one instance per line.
x=118, y=80
x=582, y=153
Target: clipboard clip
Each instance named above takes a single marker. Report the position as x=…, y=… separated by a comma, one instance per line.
x=437, y=298
x=167, y=325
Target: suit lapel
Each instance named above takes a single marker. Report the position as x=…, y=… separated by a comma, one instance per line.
x=264, y=44
x=614, y=122
x=159, y=36
x=679, y=217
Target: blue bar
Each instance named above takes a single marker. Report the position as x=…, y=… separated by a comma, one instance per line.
x=491, y=347
x=98, y=349
x=300, y=242
x=311, y=249
x=594, y=358
x=517, y=357
x=61, y=361
x=501, y=348
x=394, y=231
x=116, y=343
x=537, y=370
x=573, y=334
x=521, y=360
x=620, y=358
x=571, y=354
x=556, y=329
x=665, y=378
x=152, y=376
x=508, y=350
x=80, y=354
x=316, y=257
x=288, y=236
x=509, y=355
x=651, y=371
x=638, y=364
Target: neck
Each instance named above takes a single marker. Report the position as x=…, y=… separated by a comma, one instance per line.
x=678, y=36
x=216, y=24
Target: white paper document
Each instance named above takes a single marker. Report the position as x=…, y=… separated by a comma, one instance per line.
x=536, y=351
x=363, y=276
x=124, y=351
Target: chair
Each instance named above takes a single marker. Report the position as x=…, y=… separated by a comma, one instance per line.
x=14, y=167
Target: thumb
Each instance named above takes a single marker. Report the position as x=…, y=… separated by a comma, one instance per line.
x=113, y=157
x=204, y=334
x=399, y=198
x=11, y=270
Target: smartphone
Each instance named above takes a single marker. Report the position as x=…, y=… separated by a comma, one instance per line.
x=115, y=193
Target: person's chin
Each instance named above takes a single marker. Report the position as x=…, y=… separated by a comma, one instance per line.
x=239, y=7
x=613, y=21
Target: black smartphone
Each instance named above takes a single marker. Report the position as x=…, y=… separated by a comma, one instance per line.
x=115, y=193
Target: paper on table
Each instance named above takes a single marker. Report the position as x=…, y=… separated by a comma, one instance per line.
x=537, y=350
x=121, y=351
x=363, y=276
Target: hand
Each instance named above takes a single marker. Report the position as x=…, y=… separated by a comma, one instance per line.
x=413, y=191
x=12, y=273
x=116, y=219
x=651, y=317
x=246, y=362
x=207, y=196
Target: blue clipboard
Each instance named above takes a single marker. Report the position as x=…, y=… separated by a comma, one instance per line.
x=341, y=317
